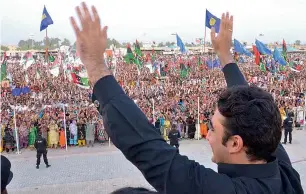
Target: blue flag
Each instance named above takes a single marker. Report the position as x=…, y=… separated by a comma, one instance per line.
x=180, y=44
x=46, y=20
x=212, y=21
x=239, y=48
x=278, y=57
x=261, y=47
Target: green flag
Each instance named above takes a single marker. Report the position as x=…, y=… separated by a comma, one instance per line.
x=51, y=58
x=262, y=67
x=129, y=57
x=137, y=49
x=184, y=71
x=138, y=63
x=3, y=70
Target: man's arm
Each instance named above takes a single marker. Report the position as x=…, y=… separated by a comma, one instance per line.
x=163, y=167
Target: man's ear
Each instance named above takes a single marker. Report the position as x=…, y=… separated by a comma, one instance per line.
x=235, y=144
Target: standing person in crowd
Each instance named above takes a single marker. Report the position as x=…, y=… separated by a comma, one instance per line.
x=54, y=134
x=62, y=138
x=73, y=133
x=174, y=136
x=32, y=136
x=288, y=125
x=90, y=133
x=41, y=149
x=8, y=141
x=81, y=134
x=249, y=160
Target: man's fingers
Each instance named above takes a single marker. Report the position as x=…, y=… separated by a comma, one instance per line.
x=86, y=13
x=226, y=25
x=104, y=31
x=80, y=15
x=95, y=15
x=75, y=26
x=222, y=25
x=231, y=21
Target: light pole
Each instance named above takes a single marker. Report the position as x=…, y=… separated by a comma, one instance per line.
x=32, y=40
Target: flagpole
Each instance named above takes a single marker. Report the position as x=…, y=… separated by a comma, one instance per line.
x=204, y=40
x=47, y=44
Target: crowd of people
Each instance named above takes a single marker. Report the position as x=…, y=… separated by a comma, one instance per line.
x=41, y=101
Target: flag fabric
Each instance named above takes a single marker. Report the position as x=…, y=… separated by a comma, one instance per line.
x=46, y=20
x=239, y=48
x=3, y=68
x=257, y=55
x=180, y=44
x=262, y=48
x=212, y=21
x=51, y=58
x=80, y=81
x=129, y=57
x=211, y=64
x=183, y=71
x=284, y=52
x=278, y=57
x=137, y=49
x=262, y=67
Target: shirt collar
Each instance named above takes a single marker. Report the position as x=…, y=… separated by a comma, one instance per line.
x=249, y=170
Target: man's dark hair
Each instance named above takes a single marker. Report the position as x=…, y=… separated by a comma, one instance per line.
x=251, y=113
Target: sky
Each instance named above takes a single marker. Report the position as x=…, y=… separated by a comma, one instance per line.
x=156, y=20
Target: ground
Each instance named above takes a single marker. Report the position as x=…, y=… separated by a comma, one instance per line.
x=103, y=169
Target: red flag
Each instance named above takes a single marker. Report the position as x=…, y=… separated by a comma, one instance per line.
x=257, y=55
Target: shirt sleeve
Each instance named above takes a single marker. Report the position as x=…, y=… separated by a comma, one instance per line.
x=162, y=166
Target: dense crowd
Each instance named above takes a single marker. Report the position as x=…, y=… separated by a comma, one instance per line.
x=39, y=100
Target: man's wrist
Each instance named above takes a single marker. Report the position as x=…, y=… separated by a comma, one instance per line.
x=226, y=59
x=100, y=70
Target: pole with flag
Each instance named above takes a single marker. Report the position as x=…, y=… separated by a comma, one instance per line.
x=46, y=20
x=211, y=21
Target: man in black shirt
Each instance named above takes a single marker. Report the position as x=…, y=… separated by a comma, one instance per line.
x=174, y=136
x=288, y=123
x=41, y=149
x=244, y=139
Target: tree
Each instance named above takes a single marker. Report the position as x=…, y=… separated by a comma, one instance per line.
x=66, y=42
x=298, y=42
x=161, y=44
x=4, y=48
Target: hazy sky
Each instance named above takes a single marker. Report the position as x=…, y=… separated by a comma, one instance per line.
x=155, y=20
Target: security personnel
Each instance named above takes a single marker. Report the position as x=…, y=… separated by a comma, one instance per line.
x=174, y=135
x=41, y=148
x=288, y=123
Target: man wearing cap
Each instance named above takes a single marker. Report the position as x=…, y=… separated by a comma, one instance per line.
x=41, y=148
x=6, y=174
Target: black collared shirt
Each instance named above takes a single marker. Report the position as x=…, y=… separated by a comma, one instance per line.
x=168, y=171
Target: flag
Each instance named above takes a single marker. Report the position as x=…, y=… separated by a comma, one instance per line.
x=262, y=67
x=180, y=44
x=51, y=58
x=257, y=55
x=80, y=81
x=183, y=71
x=278, y=57
x=212, y=21
x=239, y=48
x=129, y=57
x=262, y=48
x=285, y=50
x=137, y=49
x=3, y=68
x=46, y=20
